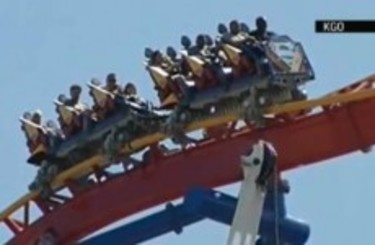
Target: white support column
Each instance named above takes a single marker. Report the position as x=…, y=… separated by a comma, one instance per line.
x=249, y=209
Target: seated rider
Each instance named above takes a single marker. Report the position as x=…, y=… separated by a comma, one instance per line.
x=237, y=36
x=33, y=144
x=163, y=61
x=200, y=49
x=222, y=38
x=261, y=33
x=245, y=28
x=130, y=92
x=104, y=110
x=75, y=93
x=74, y=102
x=111, y=84
x=208, y=51
x=172, y=68
x=249, y=45
x=214, y=53
x=37, y=118
x=204, y=50
x=75, y=99
x=48, y=169
x=176, y=62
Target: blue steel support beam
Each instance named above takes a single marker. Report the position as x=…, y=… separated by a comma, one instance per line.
x=172, y=219
x=220, y=207
x=202, y=203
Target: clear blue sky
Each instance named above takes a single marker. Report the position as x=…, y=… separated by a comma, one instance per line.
x=47, y=45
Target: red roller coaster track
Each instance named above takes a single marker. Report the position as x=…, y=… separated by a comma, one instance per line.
x=330, y=133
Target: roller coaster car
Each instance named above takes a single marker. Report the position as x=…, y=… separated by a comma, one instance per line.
x=168, y=91
x=104, y=101
x=128, y=119
x=38, y=139
x=285, y=67
x=225, y=88
x=70, y=118
x=229, y=91
x=281, y=58
x=288, y=60
x=240, y=64
x=206, y=71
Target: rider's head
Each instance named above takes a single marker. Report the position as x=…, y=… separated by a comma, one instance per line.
x=157, y=58
x=245, y=27
x=130, y=89
x=111, y=80
x=37, y=117
x=234, y=27
x=222, y=29
x=200, y=42
x=208, y=40
x=261, y=24
x=75, y=91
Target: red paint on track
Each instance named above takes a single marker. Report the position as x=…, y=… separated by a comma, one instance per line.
x=307, y=141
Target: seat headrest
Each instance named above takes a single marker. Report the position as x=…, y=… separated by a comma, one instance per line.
x=222, y=28
x=171, y=52
x=185, y=41
x=148, y=53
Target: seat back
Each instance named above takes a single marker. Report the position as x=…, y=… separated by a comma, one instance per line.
x=159, y=76
x=66, y=113
x=233, y=54
x=287, y=57
x=100, y=95
x=196, y=65
x=32, y=130
x=169, y=101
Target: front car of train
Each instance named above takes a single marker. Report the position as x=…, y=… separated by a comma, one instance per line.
x=254, y=76
x=288, y=60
